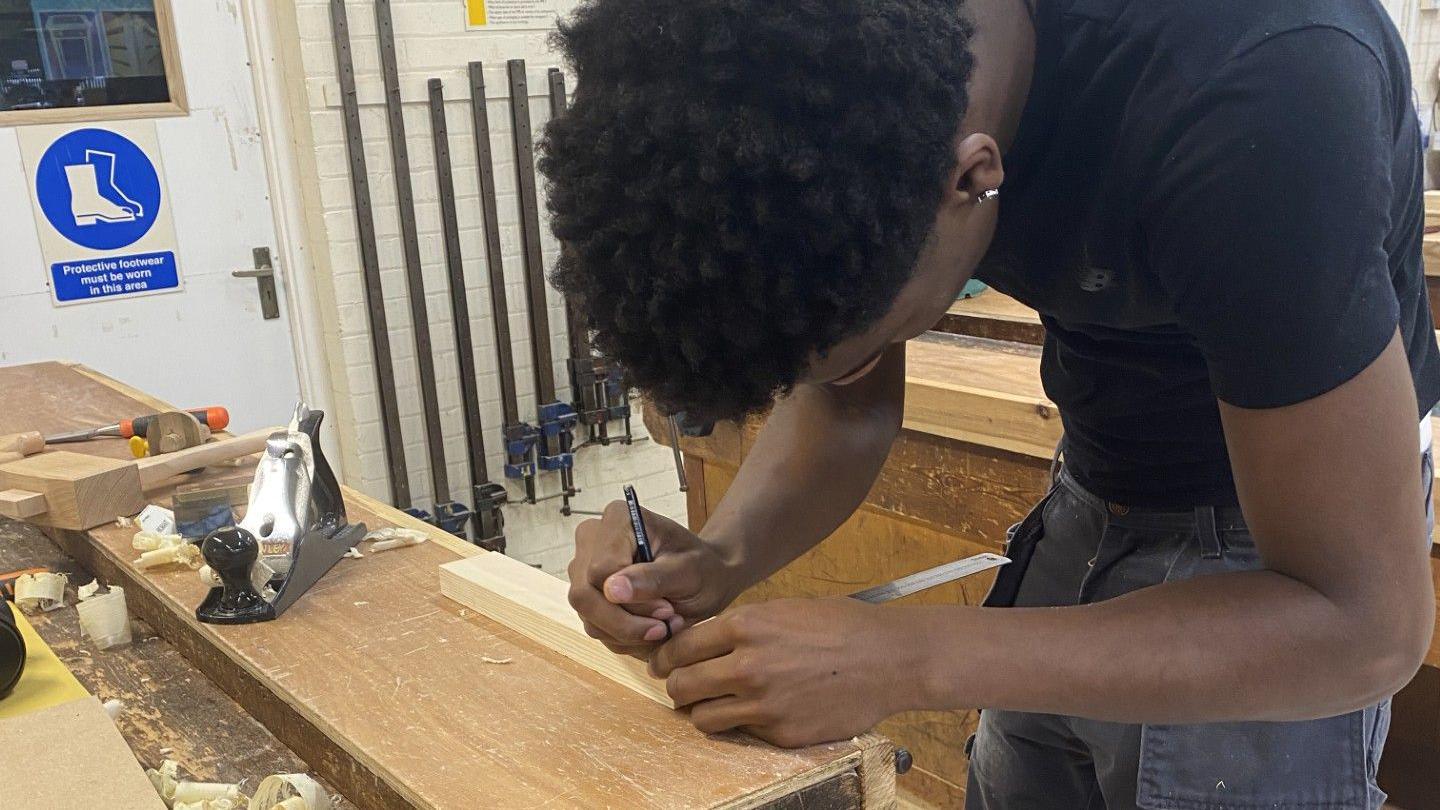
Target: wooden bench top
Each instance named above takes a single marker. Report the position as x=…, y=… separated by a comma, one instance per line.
x=400, y=697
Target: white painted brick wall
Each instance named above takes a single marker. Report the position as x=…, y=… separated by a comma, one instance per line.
x=431, y=41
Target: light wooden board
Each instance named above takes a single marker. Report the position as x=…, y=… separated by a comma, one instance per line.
x=980, y=391
x=996, y=306
x=534, y=604
x=70, y=756
x=382, y=684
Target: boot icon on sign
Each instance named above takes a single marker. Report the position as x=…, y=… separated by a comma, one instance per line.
x=94, y=197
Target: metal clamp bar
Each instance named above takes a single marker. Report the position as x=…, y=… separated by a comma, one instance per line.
x=410, y=243
x=530, y=231
x=370, y=260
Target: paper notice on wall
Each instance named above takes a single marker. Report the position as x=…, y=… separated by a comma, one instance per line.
x=517, y=15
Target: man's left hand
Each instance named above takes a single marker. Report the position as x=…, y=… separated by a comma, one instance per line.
x=793, y=672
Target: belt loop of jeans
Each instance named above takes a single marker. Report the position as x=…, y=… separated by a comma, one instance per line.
x=1210, y=548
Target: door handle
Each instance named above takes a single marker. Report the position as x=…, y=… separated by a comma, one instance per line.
x=264, y=275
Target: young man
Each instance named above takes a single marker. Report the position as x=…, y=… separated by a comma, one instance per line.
x=1215, y=206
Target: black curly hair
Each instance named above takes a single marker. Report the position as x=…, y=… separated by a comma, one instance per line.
x=742, y=184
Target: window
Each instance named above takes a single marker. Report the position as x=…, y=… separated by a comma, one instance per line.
x=81, y=60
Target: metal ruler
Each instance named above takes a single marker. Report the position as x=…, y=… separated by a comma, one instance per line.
x=949, y=572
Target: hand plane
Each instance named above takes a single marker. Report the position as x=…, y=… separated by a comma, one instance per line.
x=293, y=532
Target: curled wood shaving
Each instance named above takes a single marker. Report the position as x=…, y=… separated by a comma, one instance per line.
x=89, y=590
x=164, y=779
x=150, y=541
x=45, y=591
x=125, y=522
x=392, y=537
x=104, y=618
x=487, y=659
x=113, y=707
x=282, y=789
x=186, y=554
x=206, y=793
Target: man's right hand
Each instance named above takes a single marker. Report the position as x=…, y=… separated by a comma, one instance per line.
x=628, y=605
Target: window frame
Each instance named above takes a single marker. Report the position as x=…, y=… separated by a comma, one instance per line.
x=178, y=104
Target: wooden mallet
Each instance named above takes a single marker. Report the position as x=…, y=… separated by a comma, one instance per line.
x=75, y=491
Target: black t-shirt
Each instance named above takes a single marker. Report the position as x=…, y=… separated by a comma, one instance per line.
x=1210, y=198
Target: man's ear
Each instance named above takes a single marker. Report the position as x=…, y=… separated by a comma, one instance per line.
x=978, y=169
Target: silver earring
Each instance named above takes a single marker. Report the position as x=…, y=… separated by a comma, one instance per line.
x=987, y=196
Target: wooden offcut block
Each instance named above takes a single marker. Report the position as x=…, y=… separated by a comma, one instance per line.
x=78, y=491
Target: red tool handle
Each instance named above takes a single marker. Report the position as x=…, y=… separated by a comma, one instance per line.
x=214, y=418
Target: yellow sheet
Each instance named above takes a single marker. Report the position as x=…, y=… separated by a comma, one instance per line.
x=46, y=682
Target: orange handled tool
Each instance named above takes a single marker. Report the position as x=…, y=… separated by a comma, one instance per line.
x=216, y=419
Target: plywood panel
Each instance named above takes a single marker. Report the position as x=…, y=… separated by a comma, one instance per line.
x=71, y=756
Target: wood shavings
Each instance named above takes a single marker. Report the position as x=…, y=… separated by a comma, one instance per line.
x=145, y=540
x=281, y=789
x=164, y=779
x=113, y=707
x=209, y=577
x=43, y=592
x=354, y=554
x=186, y=554
x=104, y=619
x=205, y=793
x=125, y=522
x=87, y=591
x=487, y=659
x=223, y=803
x=392, y=537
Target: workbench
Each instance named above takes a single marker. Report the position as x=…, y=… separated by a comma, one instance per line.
x=973, y=457
x=400, y=698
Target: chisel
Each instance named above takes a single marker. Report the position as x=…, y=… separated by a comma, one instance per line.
x=939, y=575
x=216, y=419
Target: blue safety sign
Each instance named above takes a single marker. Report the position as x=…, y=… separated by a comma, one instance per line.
x=102, y=193
x=98, y=189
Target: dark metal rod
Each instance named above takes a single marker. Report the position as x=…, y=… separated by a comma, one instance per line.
x=369, y=259
x=410, y=242
x=675, y=449
x=530, y=230
x=480, y=117
x=575, y=326
x=455, y=265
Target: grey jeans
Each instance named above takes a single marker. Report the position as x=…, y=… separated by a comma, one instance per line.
x=1075, y=548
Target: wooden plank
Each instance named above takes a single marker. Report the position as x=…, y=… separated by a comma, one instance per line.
x=535, y=604
x=383, y=684
x=980, y=391
x=70, y=756
x=996, y=316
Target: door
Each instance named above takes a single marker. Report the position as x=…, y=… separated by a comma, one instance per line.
x=132, y=188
